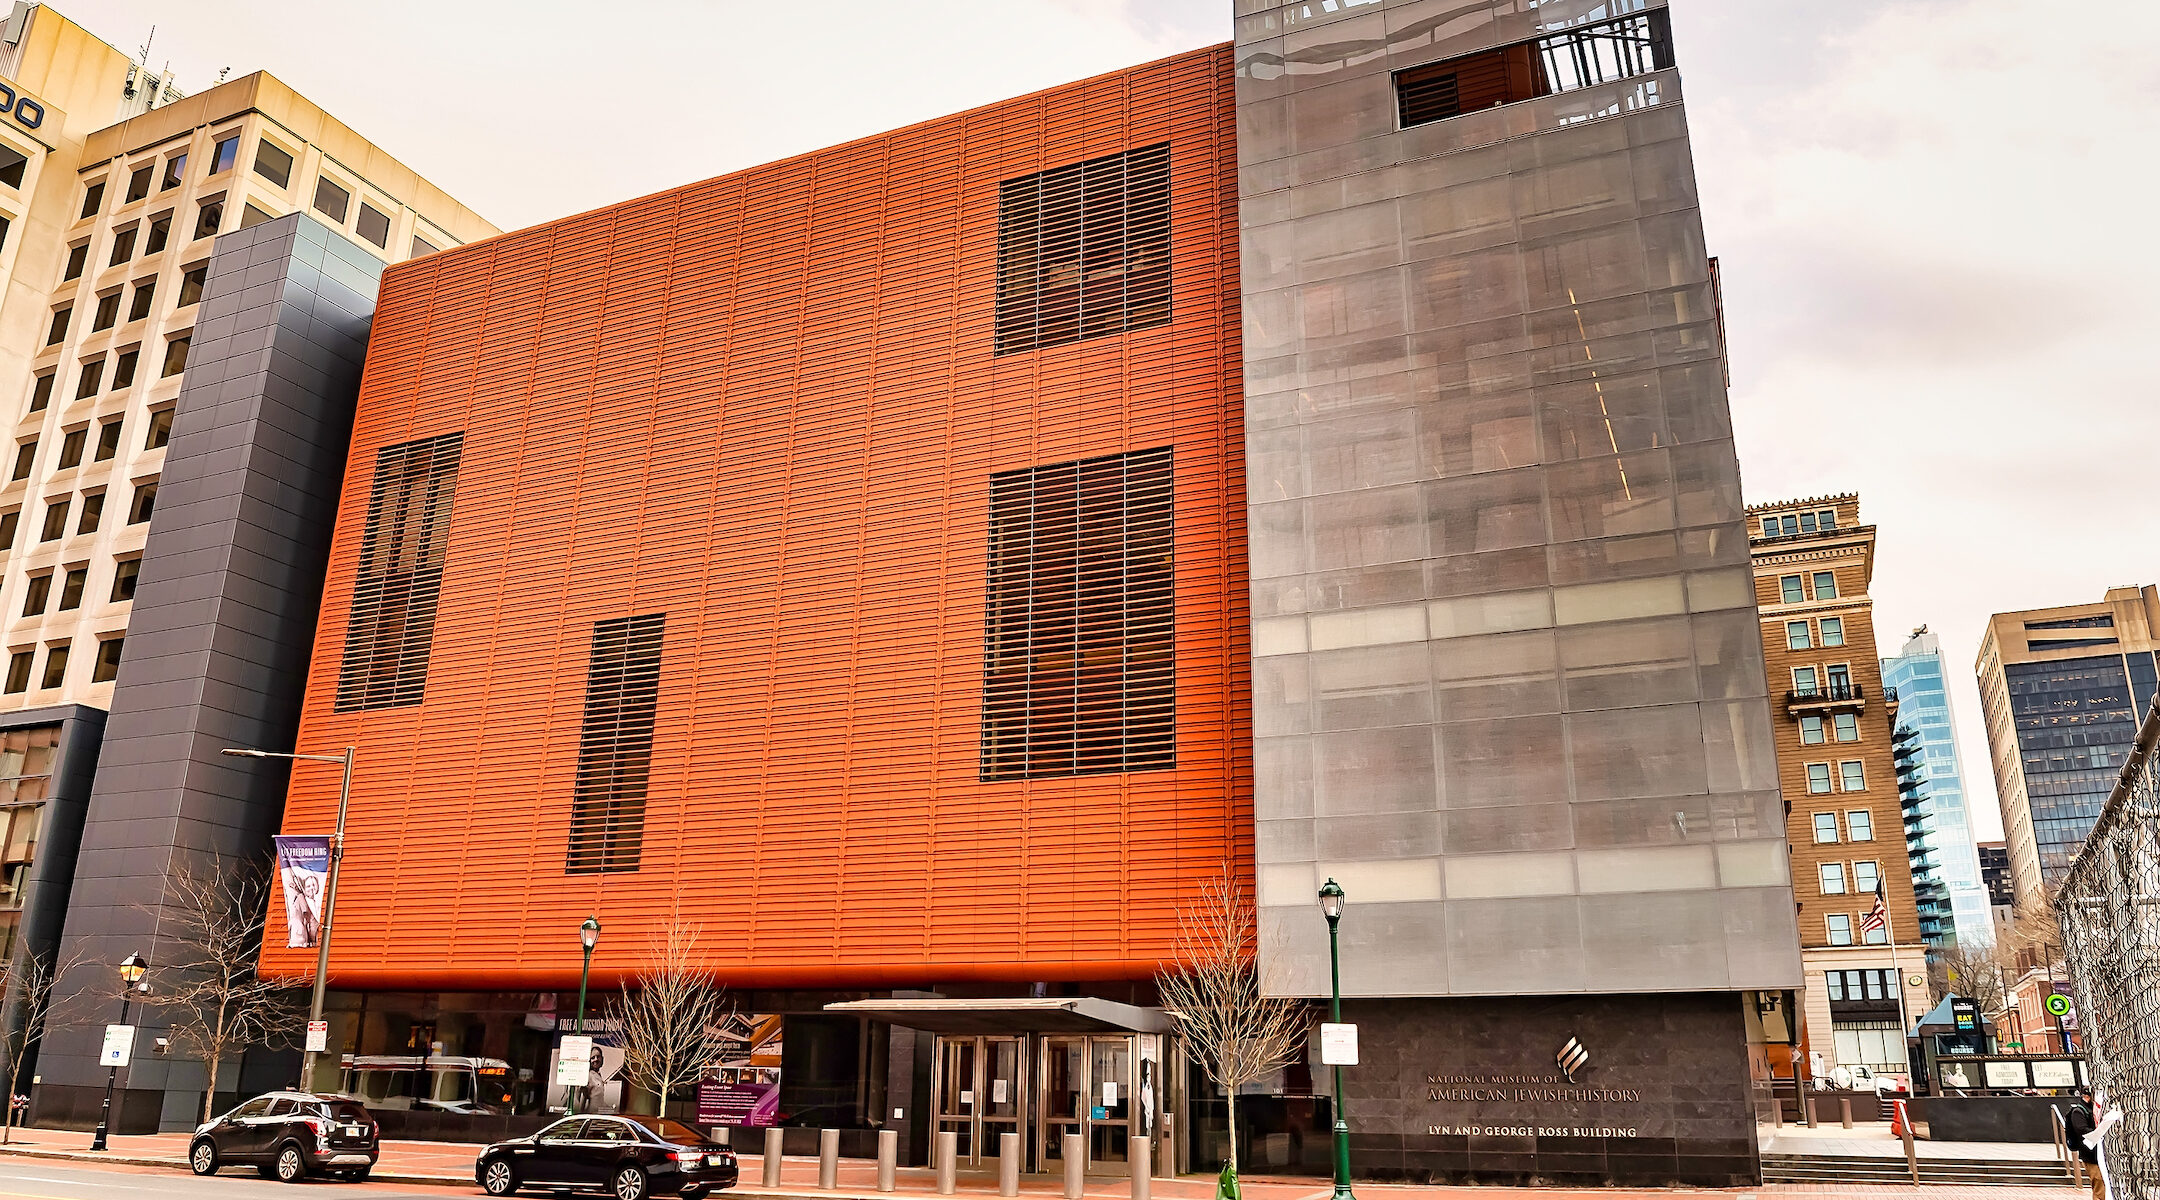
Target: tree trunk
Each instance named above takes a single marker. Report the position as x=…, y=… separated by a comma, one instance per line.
x=209, y=1096
x=1231, y=1092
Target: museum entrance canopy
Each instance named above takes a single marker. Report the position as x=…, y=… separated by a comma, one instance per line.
x=1009, y=1015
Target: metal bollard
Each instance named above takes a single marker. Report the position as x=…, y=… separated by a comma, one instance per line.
x=1844, y=1111
x=948, y=1162
x=1075, y=1166
x=1807, y=1109
x=1008, y=1164
x=888, y=1157
x=828, y=1159
x=1141, y=1155
x=772, y=1157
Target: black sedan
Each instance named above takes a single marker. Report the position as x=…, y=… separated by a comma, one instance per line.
x=626, y=1157
x=290, y=1136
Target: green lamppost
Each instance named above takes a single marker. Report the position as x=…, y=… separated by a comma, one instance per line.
x=1331, y=902
x=589, y=935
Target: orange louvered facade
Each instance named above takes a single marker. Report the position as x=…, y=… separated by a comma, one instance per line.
x=768, y=406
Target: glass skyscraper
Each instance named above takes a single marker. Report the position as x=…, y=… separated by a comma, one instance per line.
x=1924, y=706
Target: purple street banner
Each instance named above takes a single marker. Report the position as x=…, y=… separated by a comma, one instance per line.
x=303, y=873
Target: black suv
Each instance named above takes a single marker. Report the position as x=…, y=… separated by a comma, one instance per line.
x=629, y=1158
x=290, y=1136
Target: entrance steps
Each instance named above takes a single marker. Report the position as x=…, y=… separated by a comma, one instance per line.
x=1970, y=1172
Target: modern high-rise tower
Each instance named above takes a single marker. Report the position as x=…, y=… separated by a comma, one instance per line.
x=1916, y=672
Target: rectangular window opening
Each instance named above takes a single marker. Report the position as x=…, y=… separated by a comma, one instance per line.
x=1079, y=676
x=1559, y=62
x=406, y=538
x=1084, y=250
x=622, y=696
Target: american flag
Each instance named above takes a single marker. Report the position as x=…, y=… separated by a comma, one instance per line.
x=1571, y=1058
x=1879, y=916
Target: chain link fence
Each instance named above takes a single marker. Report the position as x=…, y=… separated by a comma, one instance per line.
x=2109, y=908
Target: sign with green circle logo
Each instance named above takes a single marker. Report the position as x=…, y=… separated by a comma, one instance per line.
x=2058, y=1005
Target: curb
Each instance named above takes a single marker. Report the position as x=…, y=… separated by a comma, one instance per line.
x=180, y=1164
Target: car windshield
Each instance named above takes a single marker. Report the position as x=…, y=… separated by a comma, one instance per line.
x=669, y=1130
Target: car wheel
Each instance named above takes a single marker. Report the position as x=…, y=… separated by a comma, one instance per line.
x=202, y=1157
x=497, y=1179
x=629, y=1184
x=291, y=1168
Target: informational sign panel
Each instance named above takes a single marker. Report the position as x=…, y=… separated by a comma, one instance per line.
x=1338, y=1044
x=2054, y=1073
x=573, y=1064
x=2006, y=1075
x=1964, y=1014
x=318, y=1037
x=119, y=1046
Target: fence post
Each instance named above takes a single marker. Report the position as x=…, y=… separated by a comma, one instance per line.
x=828, y=1159
x=772, y=1157
x=1008, y=1164
x=948, y=1161
x=888, y=1157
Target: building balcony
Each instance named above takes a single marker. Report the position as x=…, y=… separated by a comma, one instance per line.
x=1836, y=697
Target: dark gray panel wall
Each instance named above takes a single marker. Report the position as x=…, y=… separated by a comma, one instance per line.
x=224, y=619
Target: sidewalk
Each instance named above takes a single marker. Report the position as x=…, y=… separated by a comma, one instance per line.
x=449, y=1164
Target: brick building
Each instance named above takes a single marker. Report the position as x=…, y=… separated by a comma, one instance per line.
x=1814, y=561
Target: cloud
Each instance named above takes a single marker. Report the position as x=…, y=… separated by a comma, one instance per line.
x=1933, y=221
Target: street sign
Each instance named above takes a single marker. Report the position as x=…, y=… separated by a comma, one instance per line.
x=2058, y=1005
x=119, y=1046
x=573, y=1063
x=1338, y=1044
x=318, y=1037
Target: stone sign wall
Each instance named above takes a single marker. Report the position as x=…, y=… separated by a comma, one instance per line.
x=1576, y=1089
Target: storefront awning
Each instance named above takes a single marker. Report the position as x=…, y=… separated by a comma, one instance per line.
x=1019, y=1014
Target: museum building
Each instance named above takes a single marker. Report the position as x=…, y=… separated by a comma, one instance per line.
x=917, y=567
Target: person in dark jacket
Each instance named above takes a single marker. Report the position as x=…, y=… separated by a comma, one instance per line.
x=2077, y=1125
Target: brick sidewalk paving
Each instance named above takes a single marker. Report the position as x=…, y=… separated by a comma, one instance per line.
x=451, y=1164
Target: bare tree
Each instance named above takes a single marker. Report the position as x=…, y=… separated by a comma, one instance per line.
x=1219, y=991
x=28, y=982
x=216, y=1002
x=1971, y=971
x=670, y=1023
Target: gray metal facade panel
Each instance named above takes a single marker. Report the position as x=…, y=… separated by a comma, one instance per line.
x=230, y=590
x=1508, y=683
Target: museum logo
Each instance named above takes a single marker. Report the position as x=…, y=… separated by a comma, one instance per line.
x=1572, y=1058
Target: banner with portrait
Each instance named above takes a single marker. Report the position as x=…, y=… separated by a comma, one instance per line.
x=304, y=876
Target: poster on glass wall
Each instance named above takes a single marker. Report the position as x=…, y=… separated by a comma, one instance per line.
x=742, y=1087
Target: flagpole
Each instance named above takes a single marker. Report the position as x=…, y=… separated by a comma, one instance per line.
x=1904, y=1023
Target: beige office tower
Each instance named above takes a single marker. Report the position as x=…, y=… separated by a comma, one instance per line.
x=122, y=186
x=2063, y=690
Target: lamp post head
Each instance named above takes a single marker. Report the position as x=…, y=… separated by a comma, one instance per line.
x=1331, y=901
x=132, y=969
x=589, y=932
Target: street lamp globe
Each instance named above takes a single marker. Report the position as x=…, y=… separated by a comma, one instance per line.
x=589, y=932
x=132, y=969
x=1331, y=900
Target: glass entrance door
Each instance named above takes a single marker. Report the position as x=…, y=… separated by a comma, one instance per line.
x=979, y=1087
x=1086, y=1090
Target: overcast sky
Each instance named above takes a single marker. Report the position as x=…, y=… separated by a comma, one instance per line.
x=1934, y=216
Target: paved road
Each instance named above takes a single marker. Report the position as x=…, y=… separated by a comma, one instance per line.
x=23, y=1179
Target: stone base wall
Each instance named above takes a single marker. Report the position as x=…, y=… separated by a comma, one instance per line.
x=1471, y=1090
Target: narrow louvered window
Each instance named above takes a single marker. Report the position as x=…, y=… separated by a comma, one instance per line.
x=1084, y=250
x=622, y=694
x=407, y=536
x=1080, y=676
